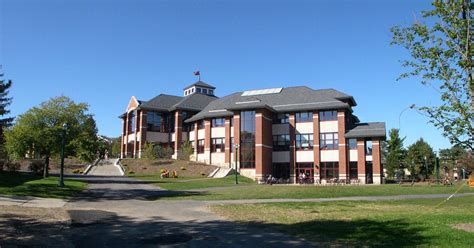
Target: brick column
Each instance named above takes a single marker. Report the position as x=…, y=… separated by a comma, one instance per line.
x=122, y=148
x=263, y=143
x=237, y=135
x=178, y=133
x=341, y=130
x=361, y=160
x=376, y=161
x=227, y=141
x=143, y=130
x=126, y=136
x=196, y=131
x=316, y=149
x=207, y=141
x=292, y=129
x=136, y=143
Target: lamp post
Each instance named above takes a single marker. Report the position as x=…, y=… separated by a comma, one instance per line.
x=63, y=144
x=236, y=158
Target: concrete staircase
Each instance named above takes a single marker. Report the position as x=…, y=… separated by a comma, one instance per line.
x=105, y=168
x=220, y=172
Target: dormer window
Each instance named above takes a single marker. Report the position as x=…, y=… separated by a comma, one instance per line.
x=204, y=91
x=198, y=90
x=199, y=87
x=211, y=92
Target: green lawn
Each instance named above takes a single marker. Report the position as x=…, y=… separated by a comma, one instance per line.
x=23, y=184
x=254, y=191
x=405, y=223
x=188, y=183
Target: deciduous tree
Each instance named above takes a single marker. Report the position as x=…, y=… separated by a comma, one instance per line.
x=440, y=47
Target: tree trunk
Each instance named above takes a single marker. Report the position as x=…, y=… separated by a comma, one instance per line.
x=46, y=167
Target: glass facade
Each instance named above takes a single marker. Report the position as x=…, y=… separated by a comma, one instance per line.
x=329, y=170
x=304, y=141
x=247, y=139
x=328, y=116
x=329, y=141
x=281, y=142
x=132, y=122
x=304, y=117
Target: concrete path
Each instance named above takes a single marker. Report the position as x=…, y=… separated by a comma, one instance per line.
x=118, y=211
x=105, y=168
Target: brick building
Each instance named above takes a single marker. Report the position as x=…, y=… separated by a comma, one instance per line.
x=284, y=132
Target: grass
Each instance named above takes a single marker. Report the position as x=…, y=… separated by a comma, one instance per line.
x=189, y=183
x=254, y=191
x=24, y=184
x=375, y=224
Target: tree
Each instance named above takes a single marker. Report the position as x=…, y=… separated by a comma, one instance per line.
x=5, y=101
x=420, y=159
x=116, y=146
x=39, y=131
x=185, y=151
x=441, y=54
x=395, y=153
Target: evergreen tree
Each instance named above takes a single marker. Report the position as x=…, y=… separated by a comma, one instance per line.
x=395, y=153
x=420, y=159
x=5, y=101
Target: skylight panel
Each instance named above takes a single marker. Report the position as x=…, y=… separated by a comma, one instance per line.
x=262, y=92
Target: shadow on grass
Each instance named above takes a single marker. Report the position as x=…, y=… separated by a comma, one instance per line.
x=13, y=179
x=95, y=228
x=357, y=233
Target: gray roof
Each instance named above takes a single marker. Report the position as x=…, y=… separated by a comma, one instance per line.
x=194, y=102
x=365, y=130
x=201, y=84
x=162, y=102
x=300, y=98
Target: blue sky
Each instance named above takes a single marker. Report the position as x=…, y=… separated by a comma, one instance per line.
x=104, y=51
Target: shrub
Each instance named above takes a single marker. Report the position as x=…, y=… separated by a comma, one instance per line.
x=77, y=171
x=152, y=152
x=37, y=166
x=185, y=151
x=13, y=166
x=183, y=168
x=148, y=152
x=163, y=152
x=203, y=174
x=131, y=172
x=162, y=170
x=2, y=164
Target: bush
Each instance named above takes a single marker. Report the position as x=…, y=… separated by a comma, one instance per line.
x=13, y=166
x=131, y=172
x=153, y=152
x=203, y=174
x=77, y=171
x=2, y=164
x=183, y=168
x=185, y=151
x=37, y=166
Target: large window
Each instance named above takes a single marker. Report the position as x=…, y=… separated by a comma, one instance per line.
x=132, y=122
x=328, y=116
x=247, y=139
x=218, y=122
x=200, y=146
x=304, y=141
x=281, y=142
x=353, y=170
x=329, y=170
x=191, y=143
x=218, y=145
x=368, y=147
x=304, y=117
x=155, y=122
x=281, y=119
x=353, y=144
x=305, y=172
x=329, y=141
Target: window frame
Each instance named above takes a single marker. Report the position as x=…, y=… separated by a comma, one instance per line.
x=323, y=141
x=278, y=120
x=200, y=147
x=299, y=141
x=215, y=145
x=300, y=119
x=323, y=115
x=214, y=122
x=281, y=142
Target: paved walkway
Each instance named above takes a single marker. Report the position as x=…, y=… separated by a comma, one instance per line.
x=105, y=168
x=123, y=212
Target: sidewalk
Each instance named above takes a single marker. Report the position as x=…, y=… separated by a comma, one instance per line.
x=29, y=201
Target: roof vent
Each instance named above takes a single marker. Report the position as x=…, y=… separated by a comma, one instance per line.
x=262, y=92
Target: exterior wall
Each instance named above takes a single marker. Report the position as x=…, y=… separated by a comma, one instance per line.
x=250, y=173
x=304, y=156
x=341, y=122
x=191, y=136
x=361, y=160
x=292, y=129
x=227, y=135
x=305, y=127
x=143, y=131
x=195, y=141
x=201, y=133
x=236, y=138
x=207, y=141
x=376, y=162
x=156, y=137
x=316, y=147
x=353, y=155
x=218, y=158
x=178, y=133
x=218, y=132
x=329, y=126
x=329, y=156
x=263, y=143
